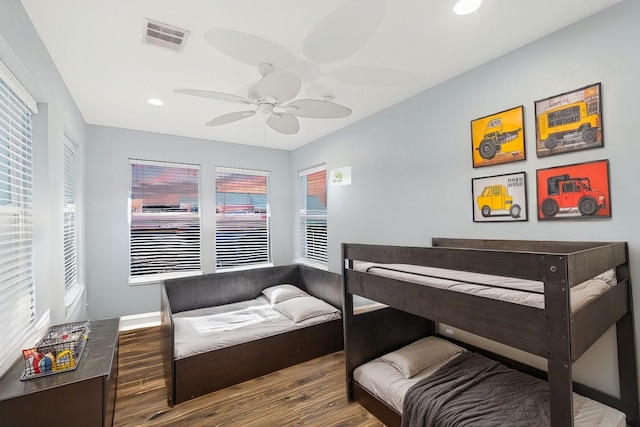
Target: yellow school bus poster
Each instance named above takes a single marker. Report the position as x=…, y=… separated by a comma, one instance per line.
x=569, y=122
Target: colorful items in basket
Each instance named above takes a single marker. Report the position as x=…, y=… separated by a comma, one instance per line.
x=58, y=351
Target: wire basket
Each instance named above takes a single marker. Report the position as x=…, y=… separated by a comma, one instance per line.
x=58, y=351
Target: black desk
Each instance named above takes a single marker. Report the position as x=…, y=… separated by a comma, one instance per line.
x=83, y=397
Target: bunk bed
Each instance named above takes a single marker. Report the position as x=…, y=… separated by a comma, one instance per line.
x=554, y=330
x=189, y=374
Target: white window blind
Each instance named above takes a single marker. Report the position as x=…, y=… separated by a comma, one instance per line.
x=70, y=240
x=165, y=220
x=242, y=218
x=17, y=287
x=313, y=214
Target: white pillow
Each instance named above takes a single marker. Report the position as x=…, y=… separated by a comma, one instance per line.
x=420, y=355
x=279, y=293
x=303, y=308
x=608, y=276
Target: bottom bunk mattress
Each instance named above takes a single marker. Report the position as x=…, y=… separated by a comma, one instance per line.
x=436, y=381
x=278, y=310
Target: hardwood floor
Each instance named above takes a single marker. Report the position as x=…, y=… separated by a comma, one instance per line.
x=309, y=394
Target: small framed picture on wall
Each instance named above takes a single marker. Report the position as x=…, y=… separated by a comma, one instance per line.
x=569, y=122
x=574, y=191
x=500, y=198
x=498, y=138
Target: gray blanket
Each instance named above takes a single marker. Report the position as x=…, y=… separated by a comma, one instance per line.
x=472, y=390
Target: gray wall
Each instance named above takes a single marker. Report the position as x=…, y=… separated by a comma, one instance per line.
x=411, y=164
x=412, y=168
x=107, y=189
x=25, y=55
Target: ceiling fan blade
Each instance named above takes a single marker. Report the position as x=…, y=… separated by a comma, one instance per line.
x=282, y=85
x=344, y=31
x=316, y=109
x=248, y=48
x=220, y=96
x=284, y=123
x=369, y=75
x=252, y=50
x=231, y=117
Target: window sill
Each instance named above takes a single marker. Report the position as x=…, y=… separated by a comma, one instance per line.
x=313, y=264
x=244, y=267
x=158, y=278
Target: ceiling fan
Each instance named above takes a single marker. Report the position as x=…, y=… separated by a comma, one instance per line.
x=269, y=95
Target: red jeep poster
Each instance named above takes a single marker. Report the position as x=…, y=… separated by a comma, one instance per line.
x=574, y=191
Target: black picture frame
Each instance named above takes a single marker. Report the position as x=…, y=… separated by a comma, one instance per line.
x=570, y=121
x=500, y=198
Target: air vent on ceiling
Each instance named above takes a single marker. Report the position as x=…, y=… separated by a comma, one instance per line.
x=165, y=35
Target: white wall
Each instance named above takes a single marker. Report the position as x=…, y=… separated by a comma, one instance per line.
x=25, y=55
x=107, y=189
x=412, y=167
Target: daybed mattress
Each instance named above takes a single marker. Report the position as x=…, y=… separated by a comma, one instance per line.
x=386, y=383
x=211, y=328
x=363, y=305
x=514, y=290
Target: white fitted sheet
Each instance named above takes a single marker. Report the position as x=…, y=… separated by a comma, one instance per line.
x=387, y=384
x=211, y=328
x=518, y=291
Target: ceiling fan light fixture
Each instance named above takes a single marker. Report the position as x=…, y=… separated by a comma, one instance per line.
x=266, y=108
x=465, y=7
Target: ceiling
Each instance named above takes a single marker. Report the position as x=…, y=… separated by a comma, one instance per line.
x=366, y=54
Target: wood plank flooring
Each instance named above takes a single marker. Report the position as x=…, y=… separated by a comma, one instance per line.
x=308, y=394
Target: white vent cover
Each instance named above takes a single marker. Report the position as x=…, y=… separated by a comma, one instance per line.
x=165, y=35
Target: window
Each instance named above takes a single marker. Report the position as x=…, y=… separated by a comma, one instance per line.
x=313, y=214
x=17, y=290
x=164, y=221
x=242, y=218
x=70, y=241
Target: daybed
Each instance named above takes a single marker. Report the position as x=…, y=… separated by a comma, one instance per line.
x=554, y=330
x=190, y=372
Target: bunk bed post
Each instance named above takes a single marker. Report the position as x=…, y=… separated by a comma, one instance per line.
x=556, y=312
x=627, y=369
x=347, y=318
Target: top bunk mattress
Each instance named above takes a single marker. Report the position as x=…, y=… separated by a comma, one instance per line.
x=509, y=289
x=212, y=328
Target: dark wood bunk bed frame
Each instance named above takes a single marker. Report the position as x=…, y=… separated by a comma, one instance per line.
x=552, y=333
x=197, y=375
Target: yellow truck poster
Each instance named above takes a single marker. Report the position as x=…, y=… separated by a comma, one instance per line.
x=500, y=198
x=498, y=138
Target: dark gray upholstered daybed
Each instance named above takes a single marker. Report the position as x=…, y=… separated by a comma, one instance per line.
x=555, y=331
x=198, y=374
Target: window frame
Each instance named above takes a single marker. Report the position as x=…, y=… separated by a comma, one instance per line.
x=141, y=279
x=70, y=242
x=19, y=317
x=247, y=172
x=303, y=216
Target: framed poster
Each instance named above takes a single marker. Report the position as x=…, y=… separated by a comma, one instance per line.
x=500, y=198
x=569, y=122
x=574, y=191
x=498, y=138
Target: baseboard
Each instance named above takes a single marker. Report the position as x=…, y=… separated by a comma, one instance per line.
x=139, y=321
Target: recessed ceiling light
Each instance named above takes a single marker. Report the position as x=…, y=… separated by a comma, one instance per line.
x=465, y=7
x=155, y=101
